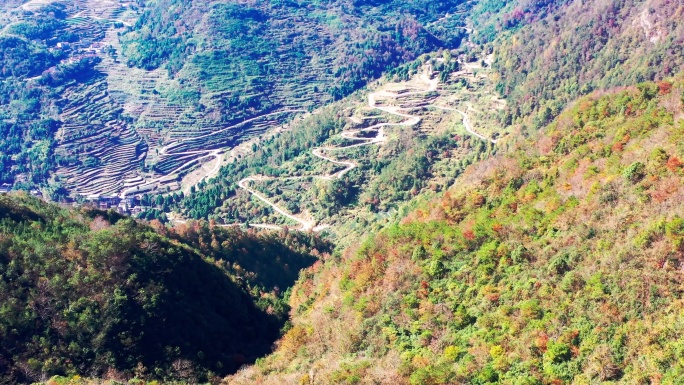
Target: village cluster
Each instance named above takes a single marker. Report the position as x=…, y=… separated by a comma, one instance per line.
x=125, y=206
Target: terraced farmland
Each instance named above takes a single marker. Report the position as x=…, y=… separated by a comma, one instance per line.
x=93, y=127
x=125, y=129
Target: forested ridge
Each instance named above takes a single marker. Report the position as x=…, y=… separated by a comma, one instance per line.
x=548, y=53
x=95, y=294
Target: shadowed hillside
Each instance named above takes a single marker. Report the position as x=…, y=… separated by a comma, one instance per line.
x=94, y=294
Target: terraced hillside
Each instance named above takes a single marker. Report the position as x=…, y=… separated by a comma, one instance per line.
x=91, y=146
x=127, y=121
x=209, y=74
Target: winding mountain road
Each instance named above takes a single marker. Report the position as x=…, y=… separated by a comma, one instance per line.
x=379, y=138
x=467, y=124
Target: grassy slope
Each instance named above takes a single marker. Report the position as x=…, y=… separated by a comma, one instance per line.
x=556, y=262
x=93, y=293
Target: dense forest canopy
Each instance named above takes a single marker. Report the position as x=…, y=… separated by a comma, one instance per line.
x=97, y=294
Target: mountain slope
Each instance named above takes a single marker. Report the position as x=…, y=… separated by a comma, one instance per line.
x=553, y=257
x=349, y=167
x=549, y=53
x=166, y=87
x=95, y=294
x=228, y=62
x=557, y=261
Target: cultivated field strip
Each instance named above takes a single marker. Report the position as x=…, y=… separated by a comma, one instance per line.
x=121, y=132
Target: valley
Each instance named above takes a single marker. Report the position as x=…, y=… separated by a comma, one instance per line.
x=347, y=192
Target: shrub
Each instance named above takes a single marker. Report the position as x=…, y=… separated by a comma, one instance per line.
x=451, y=353
x=571, y=281
x=675, y=233
x=656, y=159
x=419, y=253
x=674, y=164
x=557, y=353
x=519, y=254
x=635, y=172
x=527, y=381
x=531, y=309
x=487, y=375
x=559, y=265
